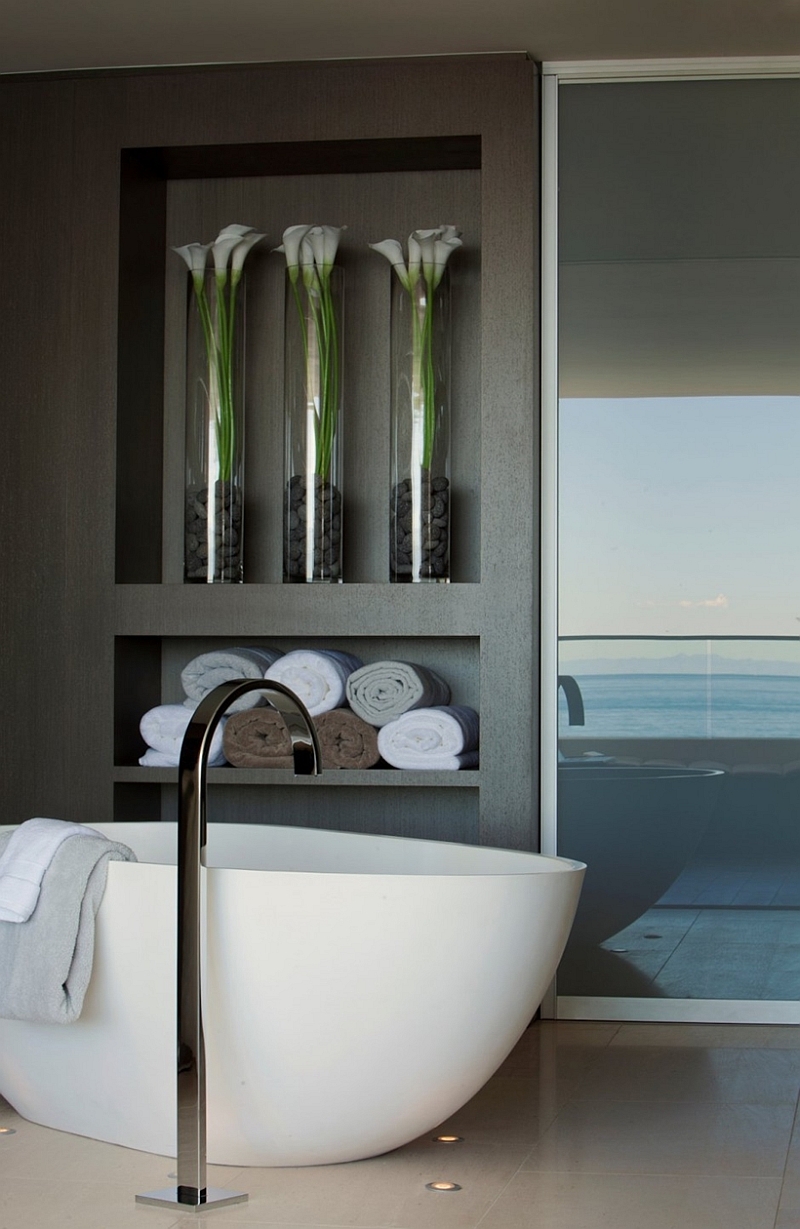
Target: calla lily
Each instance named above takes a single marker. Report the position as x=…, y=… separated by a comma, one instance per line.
x=426, y=239
x=293, y=237
x=234, y=230
x=325, y=243
x=220, y=252
x=428, y=253
x=231, y=244
x=442, y=251
x=393, y=251
x=240, y=252
x=308, y=264
x=310, y=253
x=195, y=255
x=414, y=259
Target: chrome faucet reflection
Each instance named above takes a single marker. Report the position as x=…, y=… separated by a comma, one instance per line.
x=572, y=694
x=192, y=1193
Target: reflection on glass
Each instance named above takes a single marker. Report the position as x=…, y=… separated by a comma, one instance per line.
x=679, y=539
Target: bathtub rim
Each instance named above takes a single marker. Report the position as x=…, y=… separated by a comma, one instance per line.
x=546, y=863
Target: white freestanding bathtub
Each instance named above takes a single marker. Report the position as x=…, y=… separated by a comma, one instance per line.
x=358, y=990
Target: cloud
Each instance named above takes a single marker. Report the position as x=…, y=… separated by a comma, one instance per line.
x=719, y=601
x=715, y=603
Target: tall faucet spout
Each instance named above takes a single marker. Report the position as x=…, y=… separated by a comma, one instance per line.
x=575, y=712
x=192, y=1192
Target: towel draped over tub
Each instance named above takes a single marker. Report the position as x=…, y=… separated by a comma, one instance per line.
x=46, y=962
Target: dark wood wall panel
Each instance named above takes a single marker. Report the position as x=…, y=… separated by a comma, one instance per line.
x=40, y=450
x=92, y=466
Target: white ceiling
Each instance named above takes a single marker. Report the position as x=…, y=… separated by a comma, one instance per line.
x=40, y=35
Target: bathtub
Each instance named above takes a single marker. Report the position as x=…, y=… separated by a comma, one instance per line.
x=359, y=989
x=637, y=827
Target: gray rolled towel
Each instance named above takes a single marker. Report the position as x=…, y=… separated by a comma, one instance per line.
x=46, y=962
x=202, y=674
x=384, y=690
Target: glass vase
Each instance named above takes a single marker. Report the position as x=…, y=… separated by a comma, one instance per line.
x=419, y=513
x=214, y=519
x=312, y=523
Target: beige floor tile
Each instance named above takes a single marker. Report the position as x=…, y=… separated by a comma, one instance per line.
x=509, y=1110
x=666, y=1138
x=35, y=1151
x=385, y=1191
x=691, y=1073
x=617, y=1201
x=30, y=1204
x=561, y=1048
x=758, y=1036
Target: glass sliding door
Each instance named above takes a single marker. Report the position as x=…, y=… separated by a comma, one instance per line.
x=678, y=775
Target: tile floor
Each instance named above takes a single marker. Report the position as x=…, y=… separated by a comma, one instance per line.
x=585, y=1126
x=706, y=953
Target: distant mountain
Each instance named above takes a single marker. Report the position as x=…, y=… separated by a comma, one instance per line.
x=681, y=663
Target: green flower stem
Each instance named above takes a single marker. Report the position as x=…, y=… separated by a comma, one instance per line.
x=219, y=344
x=423, y=375
x=323, y=320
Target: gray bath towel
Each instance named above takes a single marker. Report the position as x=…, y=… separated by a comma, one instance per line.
x=204, y=673
x=383, y=691
x=46, y=962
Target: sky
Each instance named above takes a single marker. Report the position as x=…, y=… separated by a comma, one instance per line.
x=680, y=517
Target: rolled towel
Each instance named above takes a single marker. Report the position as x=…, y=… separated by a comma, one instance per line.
x=163, y=728
x=26, y=857
x=46, y=963
x=346, y=740
x=257, y=739
x=204, y=673
x=384, y=690
x=317, y=677
x=432, y=738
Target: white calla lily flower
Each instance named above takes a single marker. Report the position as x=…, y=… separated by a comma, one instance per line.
x=240, y=252
x=220, y=254
x=414, y=259
x=293, y=237
x=234, y=230
x=392, y=249
x=195, y=255
x=442, y=251
x=308, y=265
x=325, y=241
x=426, y=240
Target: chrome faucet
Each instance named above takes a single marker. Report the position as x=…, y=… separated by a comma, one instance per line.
x=192, y=1194
x=572, y=693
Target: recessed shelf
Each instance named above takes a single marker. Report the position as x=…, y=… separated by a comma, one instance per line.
x=393, y=777
x=299, y=610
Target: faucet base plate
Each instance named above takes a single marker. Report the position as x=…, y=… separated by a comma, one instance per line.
x=215, y=1197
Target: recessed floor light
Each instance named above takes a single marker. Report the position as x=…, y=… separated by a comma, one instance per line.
x=7, y=1131
x=448, y=1139
x=442, y=1186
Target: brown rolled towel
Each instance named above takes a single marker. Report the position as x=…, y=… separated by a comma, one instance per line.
x=257, y=738
x=346, y=741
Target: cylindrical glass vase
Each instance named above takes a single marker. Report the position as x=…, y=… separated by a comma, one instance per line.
x=214, y=519
x=419, y=514
x=312, y=521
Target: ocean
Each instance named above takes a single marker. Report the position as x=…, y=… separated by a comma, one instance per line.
x=686, y=706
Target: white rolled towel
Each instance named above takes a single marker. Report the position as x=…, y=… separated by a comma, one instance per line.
x=383, y=690
x=318, y=677
x=163, y=728
x=205, y=672
x=444, y=737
